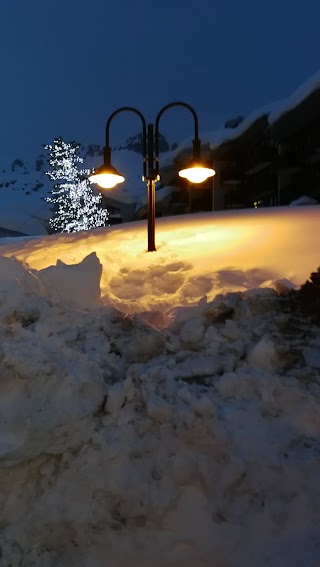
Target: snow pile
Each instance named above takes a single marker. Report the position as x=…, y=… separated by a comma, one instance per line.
x=197, y=255
x=193, y=441
x=304, y=200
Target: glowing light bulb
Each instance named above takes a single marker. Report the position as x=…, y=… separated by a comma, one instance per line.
x=197, y=174
x=106, y=180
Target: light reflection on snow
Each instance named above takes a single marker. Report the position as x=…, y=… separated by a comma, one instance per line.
x=199, y=255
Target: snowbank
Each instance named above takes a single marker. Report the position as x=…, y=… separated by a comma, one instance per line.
x=304, y=200
x=197, y=255
x=193, y=441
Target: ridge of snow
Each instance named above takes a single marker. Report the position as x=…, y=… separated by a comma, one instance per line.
x=302, y=92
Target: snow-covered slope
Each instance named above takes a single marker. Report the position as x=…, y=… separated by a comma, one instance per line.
x=24, y=185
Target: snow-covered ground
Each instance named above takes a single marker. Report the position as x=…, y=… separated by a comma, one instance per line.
x=146, y=420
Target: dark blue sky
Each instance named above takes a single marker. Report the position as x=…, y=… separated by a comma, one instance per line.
x=67, y=64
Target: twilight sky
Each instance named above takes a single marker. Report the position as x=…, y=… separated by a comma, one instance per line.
x=67, y=64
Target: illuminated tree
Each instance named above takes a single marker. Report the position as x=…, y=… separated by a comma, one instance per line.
x=76, y=207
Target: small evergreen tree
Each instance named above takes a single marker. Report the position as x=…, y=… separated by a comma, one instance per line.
x=76, y=207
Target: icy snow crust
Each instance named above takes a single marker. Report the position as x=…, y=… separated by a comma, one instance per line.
x=191, y=441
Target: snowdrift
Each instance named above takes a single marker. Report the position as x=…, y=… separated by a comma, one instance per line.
x=183, y=431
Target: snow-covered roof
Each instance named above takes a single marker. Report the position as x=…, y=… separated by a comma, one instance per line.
x=224, y=135
x=301, y=93
x=272, y=112
x=217, y=138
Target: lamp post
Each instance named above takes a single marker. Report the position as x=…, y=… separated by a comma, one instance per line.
x=196, y=172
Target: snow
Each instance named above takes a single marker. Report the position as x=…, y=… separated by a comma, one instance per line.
x=301, y=93
x=198, y=255
x=22, y=212
x=161, y=408
x=220, y=136
x=304, y=200
x=23, y=189
x=272, y=111
x=22, y=192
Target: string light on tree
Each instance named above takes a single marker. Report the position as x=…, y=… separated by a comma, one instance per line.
x=76, y=207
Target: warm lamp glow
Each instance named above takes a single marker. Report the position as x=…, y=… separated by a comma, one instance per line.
x=197, y=174
x=106, y=180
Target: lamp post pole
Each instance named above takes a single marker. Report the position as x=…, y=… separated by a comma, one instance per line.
x=151, y=191
x=149, y=172
x=150, y=150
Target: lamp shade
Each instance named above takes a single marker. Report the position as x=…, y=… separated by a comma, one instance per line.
x=196, y=172
x=106, y=177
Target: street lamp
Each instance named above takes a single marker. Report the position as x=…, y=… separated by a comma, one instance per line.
x=196, y=171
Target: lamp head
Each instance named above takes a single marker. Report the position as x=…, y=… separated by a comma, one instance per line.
x=197, y=172
x=106, y=176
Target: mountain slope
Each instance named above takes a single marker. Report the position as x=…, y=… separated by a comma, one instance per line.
x=24, y=186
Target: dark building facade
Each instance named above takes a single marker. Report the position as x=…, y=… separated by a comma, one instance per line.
x=268, y=162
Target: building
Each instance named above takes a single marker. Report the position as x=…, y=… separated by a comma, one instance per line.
x=270, y=158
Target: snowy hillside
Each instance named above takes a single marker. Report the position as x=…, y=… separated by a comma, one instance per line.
x=22, y=188
x=146, y=420
x=24, y=185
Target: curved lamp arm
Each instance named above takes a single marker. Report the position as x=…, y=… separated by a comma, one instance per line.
x=107, y=149
x=196, y=142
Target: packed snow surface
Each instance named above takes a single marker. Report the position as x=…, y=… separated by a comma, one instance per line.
x=161, y=408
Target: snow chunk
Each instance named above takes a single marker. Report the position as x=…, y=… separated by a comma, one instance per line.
x=116, y=398
x=159, y=409
x=198, y=367
x=136, y=341
x=204, y=407
x=263, y=355
x=16, y=282
x=231, y=330
x=312, y=357
x=77, y=285
x=284, y=286
x=193, y=331
x=237, y=386
x=47, y=397
x=118, y=394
